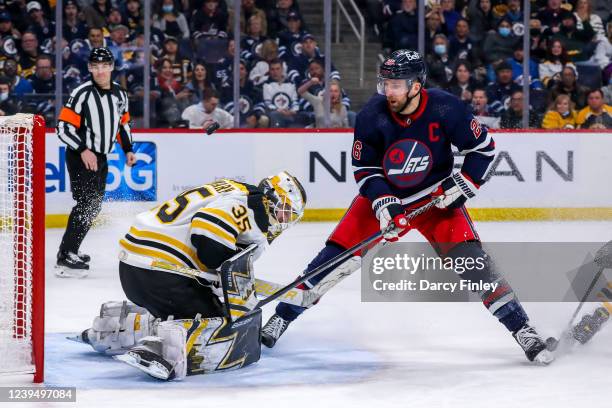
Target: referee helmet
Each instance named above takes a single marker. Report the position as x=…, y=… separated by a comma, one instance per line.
x=101, y=54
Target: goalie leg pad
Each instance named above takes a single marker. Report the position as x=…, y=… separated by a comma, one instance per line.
x=198, y=346
x=118, y=327
x=218, y=344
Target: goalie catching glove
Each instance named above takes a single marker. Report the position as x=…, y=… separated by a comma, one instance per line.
x=389, y=210
x=455, y=191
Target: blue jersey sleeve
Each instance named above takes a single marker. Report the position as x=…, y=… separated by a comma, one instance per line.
x=367, y=154
x=473, y=140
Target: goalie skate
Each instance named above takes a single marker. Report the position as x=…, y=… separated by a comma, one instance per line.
x=533, y=345
x=147, y=357
x=79, y=338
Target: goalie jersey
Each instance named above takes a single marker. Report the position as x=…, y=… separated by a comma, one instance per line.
x=200, y=228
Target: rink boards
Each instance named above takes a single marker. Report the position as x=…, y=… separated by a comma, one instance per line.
x=536, y=175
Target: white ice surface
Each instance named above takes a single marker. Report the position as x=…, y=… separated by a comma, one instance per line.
x=342, y=353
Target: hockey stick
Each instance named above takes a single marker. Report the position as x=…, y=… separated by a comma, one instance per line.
x=263, y=288
x=299, y=297
x=603, y=259
x=345, y=255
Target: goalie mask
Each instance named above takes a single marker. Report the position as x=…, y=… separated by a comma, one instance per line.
x=286, y=200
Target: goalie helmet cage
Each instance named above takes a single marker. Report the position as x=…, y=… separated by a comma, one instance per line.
x=22, y=242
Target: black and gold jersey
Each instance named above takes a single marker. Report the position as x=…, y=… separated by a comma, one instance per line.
x=201, y=227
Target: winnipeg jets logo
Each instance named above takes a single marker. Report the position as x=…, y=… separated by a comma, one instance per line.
x=281, y=100
x=407, y=163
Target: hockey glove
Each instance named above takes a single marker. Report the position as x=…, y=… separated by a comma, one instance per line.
x=389, y=209
x=455, y=191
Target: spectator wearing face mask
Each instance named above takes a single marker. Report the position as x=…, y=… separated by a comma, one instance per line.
x=8, y=104
x=500, y=45
x=170, y=20
x=439, y=63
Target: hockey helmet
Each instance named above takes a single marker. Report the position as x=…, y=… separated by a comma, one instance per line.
x=101, y=54
x=402, y=64
x=286, y=200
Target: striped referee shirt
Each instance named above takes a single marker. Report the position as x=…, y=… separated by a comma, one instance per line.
x=93, y=118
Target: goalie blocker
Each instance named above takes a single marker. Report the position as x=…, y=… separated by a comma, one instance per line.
x=174, y=349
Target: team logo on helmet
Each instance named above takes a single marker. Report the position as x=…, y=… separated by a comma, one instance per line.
x=390, y=62
x=407, y=163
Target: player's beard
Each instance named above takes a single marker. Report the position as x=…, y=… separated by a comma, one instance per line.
x=398, y=106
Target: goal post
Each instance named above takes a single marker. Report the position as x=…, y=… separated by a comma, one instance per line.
x=22, y=243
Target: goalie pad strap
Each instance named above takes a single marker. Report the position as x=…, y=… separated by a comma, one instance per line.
x=119, y=326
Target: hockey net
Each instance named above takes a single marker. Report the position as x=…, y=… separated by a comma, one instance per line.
x=22, y=188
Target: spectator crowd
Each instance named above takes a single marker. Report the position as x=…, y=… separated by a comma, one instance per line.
x=191, y=54
x=473, y=50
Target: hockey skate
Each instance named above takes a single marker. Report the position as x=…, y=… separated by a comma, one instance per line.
x=70, y=265
x=533, y=345
x=147, y=357
x=84, y=257
x=272, y=330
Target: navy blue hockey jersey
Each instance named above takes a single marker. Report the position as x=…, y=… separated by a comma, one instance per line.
x=409, y=156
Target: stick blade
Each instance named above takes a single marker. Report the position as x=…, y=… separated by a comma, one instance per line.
x=603, y=257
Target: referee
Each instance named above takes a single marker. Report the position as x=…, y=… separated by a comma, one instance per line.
x=96, y=113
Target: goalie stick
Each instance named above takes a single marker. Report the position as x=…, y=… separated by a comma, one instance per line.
x=263, y=288
x=603, y=259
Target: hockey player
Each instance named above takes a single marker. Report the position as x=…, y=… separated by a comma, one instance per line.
x=197, y=230
x=401, y=158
